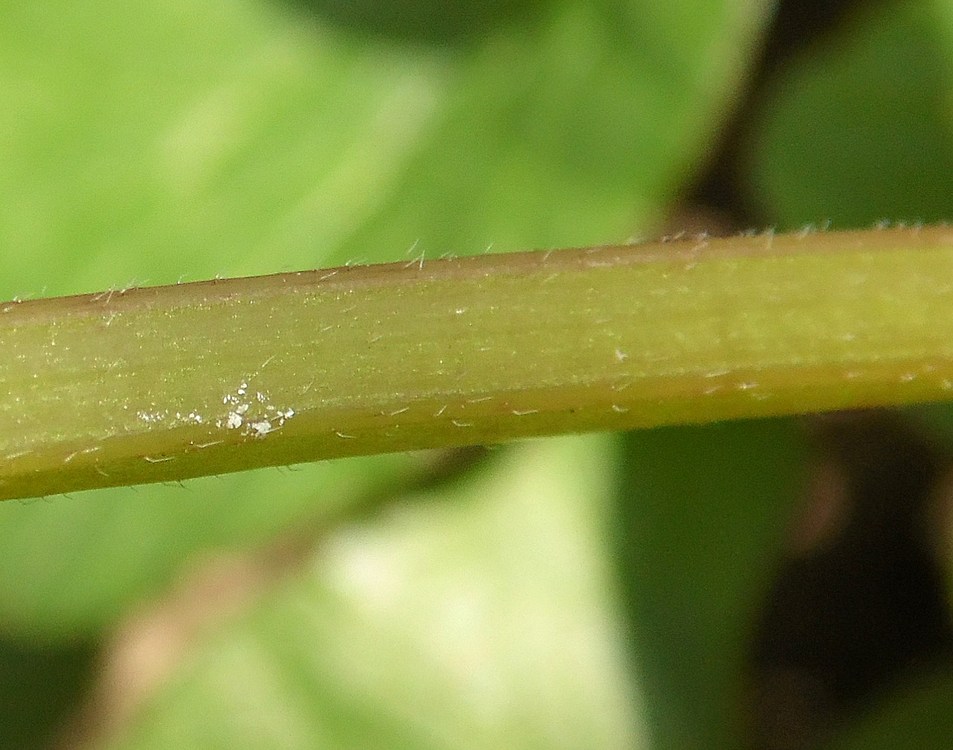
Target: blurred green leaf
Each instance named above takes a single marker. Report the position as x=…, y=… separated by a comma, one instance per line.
x=156, y=141
x=578, y=133
x=861, y=129
x=73, y=565
x=474, y=617
x=700, y=515
x=152, y=140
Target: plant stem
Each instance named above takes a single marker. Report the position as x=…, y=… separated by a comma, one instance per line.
x=165, y=383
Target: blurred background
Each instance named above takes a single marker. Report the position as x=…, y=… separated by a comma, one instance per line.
x=770, y=584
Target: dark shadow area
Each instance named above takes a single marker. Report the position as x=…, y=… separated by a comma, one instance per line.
x=40, y=687
x=858, y=603
x=448, y=23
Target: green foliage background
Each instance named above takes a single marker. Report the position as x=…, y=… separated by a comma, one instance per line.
x=576, y=592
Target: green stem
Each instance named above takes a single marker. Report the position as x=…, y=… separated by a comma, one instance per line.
x=165, y=383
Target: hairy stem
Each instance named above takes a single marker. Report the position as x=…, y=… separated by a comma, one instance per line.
x=164, y=383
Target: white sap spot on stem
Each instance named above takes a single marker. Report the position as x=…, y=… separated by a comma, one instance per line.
x=173, y=420
x=251, y=410
x=260, y=429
